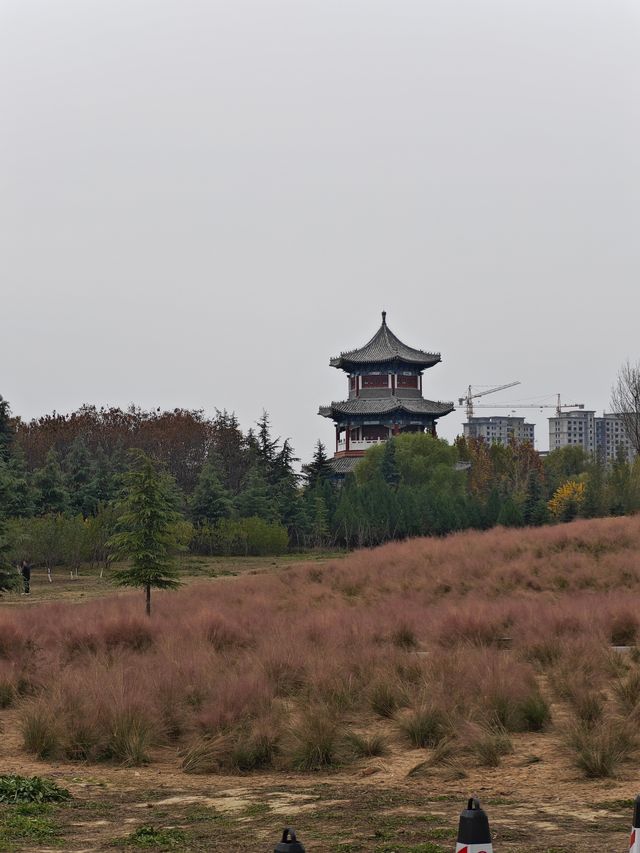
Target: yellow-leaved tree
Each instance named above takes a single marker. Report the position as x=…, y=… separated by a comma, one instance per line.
x=567, y=500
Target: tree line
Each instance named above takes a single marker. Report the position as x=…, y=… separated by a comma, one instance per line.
x=240, y=493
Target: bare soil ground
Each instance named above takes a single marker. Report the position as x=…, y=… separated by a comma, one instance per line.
x=536, y=801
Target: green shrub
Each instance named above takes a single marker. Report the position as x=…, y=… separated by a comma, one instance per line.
x=240, y=537
x=22, y=789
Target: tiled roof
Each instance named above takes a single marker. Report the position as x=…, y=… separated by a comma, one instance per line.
x=343, y=464
x=385, y=405
x=384, y=347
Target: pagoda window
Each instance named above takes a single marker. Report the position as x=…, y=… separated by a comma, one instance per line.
x=375, y=380
x=407, y=381
x=353, y=381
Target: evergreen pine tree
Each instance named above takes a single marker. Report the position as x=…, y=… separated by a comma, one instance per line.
x=286, y=493
x=20, y=495
x=593, y=503
x=319, y=522
x=254, y=499
x=147, y=529
x=492, y=508
x=210, y=500
x=51, y=495
x=267, y=448
x=388, y=466
x=8, y=576
x=104, y=477
x=510, y=514
x=531, y=510
x=318, y=469
x=80, y=479
x=7, y=431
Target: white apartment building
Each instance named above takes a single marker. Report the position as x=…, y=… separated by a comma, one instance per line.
x=599, y=436
x=610, y=436
x=570, y=429
x=499, y=429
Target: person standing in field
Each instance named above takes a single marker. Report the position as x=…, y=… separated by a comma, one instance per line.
x=25, y=571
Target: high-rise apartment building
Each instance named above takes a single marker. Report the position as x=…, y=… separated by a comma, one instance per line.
x=599, y=436
x=499, y=429
x=611, y=437
x=576, y=428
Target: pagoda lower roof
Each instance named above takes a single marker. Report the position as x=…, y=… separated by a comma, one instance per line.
x=386, y=405
x=385, y=348
x=343, y=465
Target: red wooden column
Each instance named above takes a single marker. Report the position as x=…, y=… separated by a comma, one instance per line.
x=337, y=436
x=348, y=431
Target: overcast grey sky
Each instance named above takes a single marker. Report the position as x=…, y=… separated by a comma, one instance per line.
x=202, y=201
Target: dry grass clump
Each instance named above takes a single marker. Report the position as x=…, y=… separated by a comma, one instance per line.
x=366, y=745
x=386, y=696
x=446, y=645
x=599, y=749
x=315, y=742
x=626, y=690
x=40, y=731
x=207, y=754
x=425, y=725
x=488, y=744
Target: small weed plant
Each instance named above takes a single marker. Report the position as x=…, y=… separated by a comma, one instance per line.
x=22, y=789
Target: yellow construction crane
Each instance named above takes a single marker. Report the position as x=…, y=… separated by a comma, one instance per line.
x=469, y=397
x=558, y=406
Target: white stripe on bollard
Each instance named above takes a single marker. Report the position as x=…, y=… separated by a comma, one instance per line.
x=474, y=848
x=634, y=841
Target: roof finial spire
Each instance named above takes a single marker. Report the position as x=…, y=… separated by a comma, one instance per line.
x=384, y=318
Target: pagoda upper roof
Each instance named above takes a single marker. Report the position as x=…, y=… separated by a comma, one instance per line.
x=386, y=405
x=385, y=347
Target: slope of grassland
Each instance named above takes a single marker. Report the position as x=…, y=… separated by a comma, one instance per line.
x=362, y=699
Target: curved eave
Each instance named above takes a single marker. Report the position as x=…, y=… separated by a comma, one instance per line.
x=363, y=408
x=344, y=362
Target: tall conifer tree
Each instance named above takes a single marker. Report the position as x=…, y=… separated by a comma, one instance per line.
x=147, y=529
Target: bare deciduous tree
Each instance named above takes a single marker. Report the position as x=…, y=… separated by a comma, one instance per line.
x=625, y=401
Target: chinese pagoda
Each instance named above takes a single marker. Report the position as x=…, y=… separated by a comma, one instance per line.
x=385, y=397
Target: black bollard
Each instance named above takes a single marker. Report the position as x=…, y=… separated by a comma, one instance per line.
x=634, y=842
x=474, y=835
x=289, y=843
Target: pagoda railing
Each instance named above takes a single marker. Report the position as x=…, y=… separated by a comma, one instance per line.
x=365, y=444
